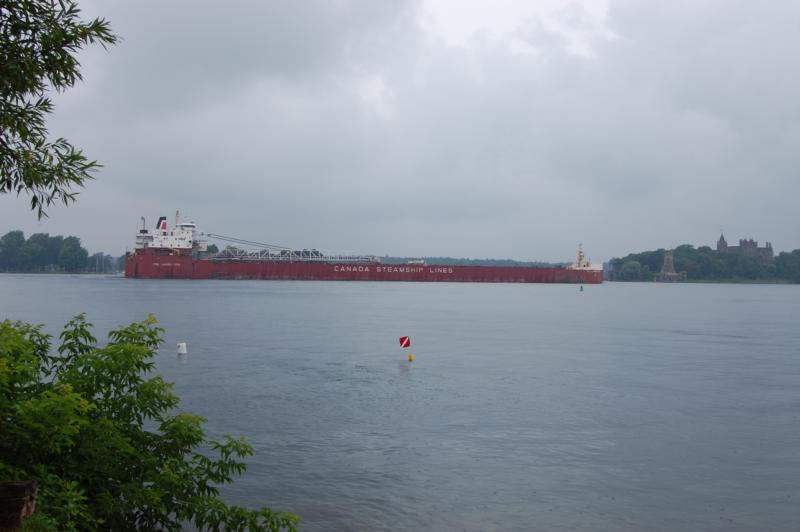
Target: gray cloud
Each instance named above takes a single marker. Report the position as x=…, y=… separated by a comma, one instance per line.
x=350, y=125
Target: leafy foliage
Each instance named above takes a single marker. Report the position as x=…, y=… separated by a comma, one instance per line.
x=706, y=264
x=102, y=263
x=787, y=266
x=39, y=40
x=632, y=271
x=104, y=441
x=72, y=256
x=42, y=252
x=10, y=247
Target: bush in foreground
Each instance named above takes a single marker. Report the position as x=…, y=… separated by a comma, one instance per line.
x=103, y=439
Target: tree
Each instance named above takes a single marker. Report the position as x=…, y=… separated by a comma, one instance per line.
x=745, y=267
x=631, y=271
x=33, y=255
x=10, y=246
x=105, y=442
x=787, y=265
x=109, y=264
x=30, y=256
x=94, y=263
x=39, y=40
x=100, y=263
x=212, y=248
x=102, y=440
x=704, y=264
x=54, y=248
x=72, y=256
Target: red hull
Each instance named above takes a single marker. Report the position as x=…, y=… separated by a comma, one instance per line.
x=151, y=266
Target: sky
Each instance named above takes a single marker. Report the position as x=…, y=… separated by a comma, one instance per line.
x=503, y=129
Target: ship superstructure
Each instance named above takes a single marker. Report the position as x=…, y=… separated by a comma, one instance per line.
x=183, y=238
x=582, y=263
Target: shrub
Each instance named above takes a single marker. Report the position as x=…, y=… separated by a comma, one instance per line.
x=104, y=440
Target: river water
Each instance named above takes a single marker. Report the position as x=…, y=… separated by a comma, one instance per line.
x=528, y=407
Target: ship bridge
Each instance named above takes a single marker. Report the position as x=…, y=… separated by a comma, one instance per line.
x=182, y=237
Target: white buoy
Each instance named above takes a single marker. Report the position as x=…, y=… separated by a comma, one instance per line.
x=182, y=348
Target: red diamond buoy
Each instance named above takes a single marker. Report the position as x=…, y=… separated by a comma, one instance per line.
x=405, y=341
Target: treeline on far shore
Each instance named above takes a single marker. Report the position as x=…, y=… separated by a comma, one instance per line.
x=44, y=253
x=706, y=264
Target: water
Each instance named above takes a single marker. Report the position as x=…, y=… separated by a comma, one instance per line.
x=528, y=407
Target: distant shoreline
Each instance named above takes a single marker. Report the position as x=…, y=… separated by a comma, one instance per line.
x=712, y=281
x=62, y=273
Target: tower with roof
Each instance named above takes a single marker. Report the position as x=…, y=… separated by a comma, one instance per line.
x=722, y=244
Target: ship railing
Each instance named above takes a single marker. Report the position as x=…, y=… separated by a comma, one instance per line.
x=274, y=258
x=250, y=250
x=233, y=254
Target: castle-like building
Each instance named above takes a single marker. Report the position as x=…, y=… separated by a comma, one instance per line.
x=748, y=248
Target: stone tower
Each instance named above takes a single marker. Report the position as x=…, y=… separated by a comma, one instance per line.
x=669, y=264
x=722, y=245
x=668, y=273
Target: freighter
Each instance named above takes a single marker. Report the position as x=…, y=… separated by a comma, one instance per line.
x=181, y=252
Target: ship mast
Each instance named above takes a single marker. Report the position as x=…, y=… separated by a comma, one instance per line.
x=581, y=263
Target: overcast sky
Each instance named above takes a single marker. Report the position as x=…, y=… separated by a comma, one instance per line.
x=472, y=129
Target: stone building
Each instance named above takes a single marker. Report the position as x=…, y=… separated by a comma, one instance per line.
x=748, y=248
x=668, y=273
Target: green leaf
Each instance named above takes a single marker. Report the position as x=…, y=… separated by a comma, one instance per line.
x=100, y=425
